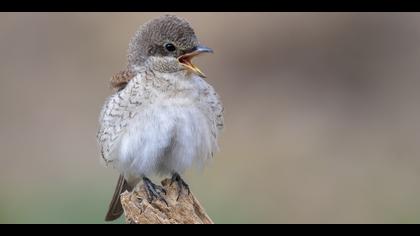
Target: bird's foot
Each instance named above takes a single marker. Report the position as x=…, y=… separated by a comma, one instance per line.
x=154, y=191
x=181, y=184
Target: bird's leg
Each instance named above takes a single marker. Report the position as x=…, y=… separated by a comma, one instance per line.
x=181, y=184
x=154, y=191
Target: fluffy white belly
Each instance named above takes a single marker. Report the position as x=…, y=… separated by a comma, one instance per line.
x=168, y=136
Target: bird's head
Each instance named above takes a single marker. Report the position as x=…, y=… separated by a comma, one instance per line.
x=166, y=44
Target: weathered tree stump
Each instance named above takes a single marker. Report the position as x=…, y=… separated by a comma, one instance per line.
x=185, y=210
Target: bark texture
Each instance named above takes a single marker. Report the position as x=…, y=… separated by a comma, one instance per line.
x=183, y=210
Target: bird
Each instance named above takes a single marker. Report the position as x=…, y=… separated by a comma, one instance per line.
x=163, y=117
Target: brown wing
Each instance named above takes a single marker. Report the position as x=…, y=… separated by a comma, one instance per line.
x=120, y=80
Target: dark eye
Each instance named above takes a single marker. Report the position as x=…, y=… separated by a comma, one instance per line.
x=170, y=47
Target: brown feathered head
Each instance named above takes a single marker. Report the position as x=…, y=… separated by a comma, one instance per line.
x=165, y=44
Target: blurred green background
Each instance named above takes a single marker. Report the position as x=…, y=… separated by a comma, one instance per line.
x=321, y=112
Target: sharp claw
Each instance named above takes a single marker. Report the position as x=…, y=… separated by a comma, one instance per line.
x=154, y=191
x=163, y=200
x=181, y=184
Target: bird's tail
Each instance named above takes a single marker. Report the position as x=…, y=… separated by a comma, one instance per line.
x=115, y=209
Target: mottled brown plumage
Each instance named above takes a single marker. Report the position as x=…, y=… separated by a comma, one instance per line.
x=120, y=80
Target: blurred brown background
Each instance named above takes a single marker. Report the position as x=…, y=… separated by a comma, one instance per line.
x=321, y=110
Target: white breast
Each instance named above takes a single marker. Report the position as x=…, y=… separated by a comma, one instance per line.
x=169, y=135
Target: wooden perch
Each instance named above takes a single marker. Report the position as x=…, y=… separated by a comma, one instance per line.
x=185, y=210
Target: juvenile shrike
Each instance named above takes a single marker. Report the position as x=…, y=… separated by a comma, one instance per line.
x=164, y=116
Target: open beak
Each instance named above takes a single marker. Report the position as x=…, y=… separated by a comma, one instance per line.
x=185, y=59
